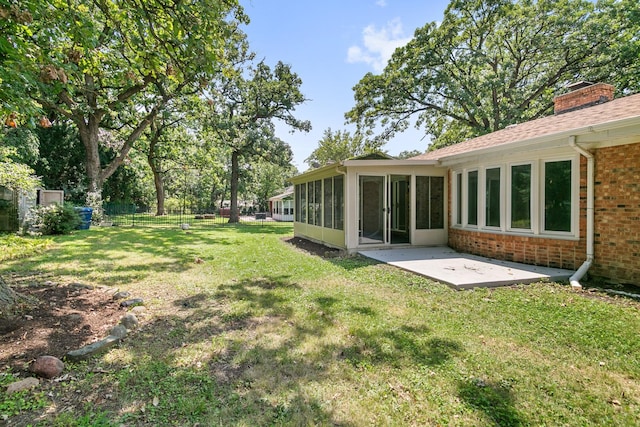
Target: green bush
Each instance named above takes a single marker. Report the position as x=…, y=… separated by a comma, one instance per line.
x=52, y=219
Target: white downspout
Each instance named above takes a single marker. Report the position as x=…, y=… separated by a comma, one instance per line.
x=574, y=280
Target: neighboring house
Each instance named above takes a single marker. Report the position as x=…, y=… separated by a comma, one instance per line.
x=14, y=205
x=281, y=206
x=560, y=191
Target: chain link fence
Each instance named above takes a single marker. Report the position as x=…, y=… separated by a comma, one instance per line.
x=123, y=214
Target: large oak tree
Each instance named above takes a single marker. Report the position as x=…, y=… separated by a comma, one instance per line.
x=244, y=108
x=112, y=65
x=491, y=63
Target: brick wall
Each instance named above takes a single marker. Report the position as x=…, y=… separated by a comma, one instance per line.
x=569, y=254
x=617, y=214
x=617, y=225
x=584, y=97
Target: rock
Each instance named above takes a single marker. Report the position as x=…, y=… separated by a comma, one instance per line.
x=25, y=384
x=75, y=317
x=139, y=309
x=132, y=302
x=119, y=331
x=92, y=349
x=121, y=295
x=129, y=321
x=47, y=367
x=77, y=285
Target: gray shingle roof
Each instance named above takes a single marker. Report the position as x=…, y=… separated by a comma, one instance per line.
x=618, y=109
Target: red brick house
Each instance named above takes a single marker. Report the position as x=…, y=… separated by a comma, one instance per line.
x=560, y=191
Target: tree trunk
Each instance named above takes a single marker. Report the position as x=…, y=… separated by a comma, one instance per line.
x=234, y=216
x=154, y=164
x=157, y=181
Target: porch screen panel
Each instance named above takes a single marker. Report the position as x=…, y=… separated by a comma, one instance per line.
x=492, y=189
x=429, y=202
x=303, y=202
x=317, y=203
x=311, y=202
x=436, y=211
x=557, y=196
x=422, y=202
x=472, y=198
x=296, y=217
x=521, y=197
x=338, y=202
x=328, y=203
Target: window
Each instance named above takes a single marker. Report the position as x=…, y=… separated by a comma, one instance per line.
x=429, y=202
x=458, y=198
x=314, y=202
x=521, y=197
x=303, y=203
x=317, y=203
x=338, y=202
x=472, y=197
x=540, y=197
x=557, y=196
x=298, y=199
x=492, y=201
x=328, y=203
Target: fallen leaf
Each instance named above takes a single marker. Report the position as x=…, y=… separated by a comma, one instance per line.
x=156, y=401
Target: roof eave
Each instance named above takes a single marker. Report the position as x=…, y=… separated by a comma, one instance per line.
x=542, y=142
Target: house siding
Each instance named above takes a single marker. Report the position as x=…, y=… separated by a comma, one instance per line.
x=544, y=251
x=617, y=214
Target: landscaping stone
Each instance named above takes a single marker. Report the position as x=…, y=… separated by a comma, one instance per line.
x=119, y=331
x=47, y=367
x=121, y=295
x=132, y=302
x=92, y=349
x=77, y=285
x=25, y=384
x=139, y=309
x=75, y=317
x=129, y=321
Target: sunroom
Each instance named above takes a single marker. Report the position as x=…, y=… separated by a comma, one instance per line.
x=373, y=202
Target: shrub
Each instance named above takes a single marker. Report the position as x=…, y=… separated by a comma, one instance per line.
x=52, y=219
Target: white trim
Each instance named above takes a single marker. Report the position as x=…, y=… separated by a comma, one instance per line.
x=509, y=197
x=537, y=208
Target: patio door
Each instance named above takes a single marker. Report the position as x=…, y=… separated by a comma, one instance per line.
x=384, y=203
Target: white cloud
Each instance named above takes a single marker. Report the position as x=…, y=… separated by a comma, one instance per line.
x=381, y=3
x=378, y=45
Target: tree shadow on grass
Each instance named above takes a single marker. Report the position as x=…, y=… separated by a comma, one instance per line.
x=395, y=346
x=246, y=354
x=495, y=401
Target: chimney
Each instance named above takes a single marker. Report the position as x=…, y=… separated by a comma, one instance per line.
x=583, y=95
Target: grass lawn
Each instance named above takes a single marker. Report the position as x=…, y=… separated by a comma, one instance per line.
x=260, y=333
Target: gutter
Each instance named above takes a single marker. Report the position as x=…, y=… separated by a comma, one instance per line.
x=574, y=280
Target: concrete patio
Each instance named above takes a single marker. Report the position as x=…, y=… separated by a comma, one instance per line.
x=464, y=271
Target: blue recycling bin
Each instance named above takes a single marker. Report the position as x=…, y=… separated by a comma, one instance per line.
x=85, y=218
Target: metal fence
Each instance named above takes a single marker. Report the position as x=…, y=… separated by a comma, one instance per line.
x=118, y=214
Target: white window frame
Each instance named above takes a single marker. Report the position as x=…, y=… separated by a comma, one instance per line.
x=537, y=210
x=465, y=199
x=532, y=195
x=482, y=190
x=455, y=195
x=575, y=196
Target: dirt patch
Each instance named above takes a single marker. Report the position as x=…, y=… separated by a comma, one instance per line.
x=313, y=248
x=61, y=317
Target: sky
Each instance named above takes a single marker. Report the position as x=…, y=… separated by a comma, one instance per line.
x=331, y=45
